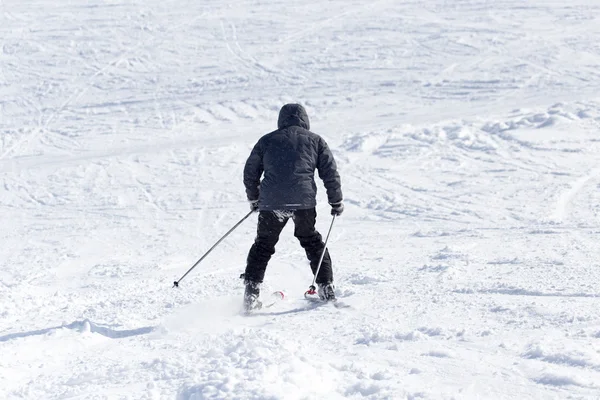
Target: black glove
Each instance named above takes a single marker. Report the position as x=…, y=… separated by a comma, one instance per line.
x=253, y=205
x=337, y=208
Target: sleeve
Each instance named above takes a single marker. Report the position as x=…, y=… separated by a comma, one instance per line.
x=328, y=173
x=253, y=171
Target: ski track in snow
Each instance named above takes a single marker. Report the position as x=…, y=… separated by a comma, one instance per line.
x=567, y=196
x=466, y=134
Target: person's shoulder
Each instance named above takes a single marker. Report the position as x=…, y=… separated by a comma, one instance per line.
x=308, y=133
x=318, y=138
x=267, y=136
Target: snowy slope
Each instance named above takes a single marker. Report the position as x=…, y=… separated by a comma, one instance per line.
x=467, y=136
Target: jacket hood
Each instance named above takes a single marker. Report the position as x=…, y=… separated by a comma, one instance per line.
x=293, y=115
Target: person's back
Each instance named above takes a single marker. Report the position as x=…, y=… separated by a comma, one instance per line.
x=289, y=157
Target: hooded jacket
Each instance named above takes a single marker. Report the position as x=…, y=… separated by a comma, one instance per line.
x=289, y=157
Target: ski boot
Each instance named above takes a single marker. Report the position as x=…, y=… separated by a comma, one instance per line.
x=326, y=292
x=251, y=301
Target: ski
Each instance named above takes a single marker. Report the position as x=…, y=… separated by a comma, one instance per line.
x=278, y=296
x=272, y=300
x=275, y=298
x=336, y=303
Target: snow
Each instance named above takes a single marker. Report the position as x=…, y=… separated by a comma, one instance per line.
x=466, y=134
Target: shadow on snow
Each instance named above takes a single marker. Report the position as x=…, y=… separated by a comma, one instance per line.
x=83, y=326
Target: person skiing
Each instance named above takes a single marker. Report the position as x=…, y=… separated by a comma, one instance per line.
x=288, y=157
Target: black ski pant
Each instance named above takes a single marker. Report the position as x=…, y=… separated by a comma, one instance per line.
x=270, y=225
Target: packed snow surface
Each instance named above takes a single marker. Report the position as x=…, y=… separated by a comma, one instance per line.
x=467, y=135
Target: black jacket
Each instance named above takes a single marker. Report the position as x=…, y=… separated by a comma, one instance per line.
x=289, y=157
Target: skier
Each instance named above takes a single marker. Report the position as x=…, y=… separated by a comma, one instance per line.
x=288, y=157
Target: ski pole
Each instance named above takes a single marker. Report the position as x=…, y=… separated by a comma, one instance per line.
x=176, y=283
x=312, y=288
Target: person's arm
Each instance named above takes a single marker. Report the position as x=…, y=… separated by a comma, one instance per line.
x=253, y=171
x=328, y=173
